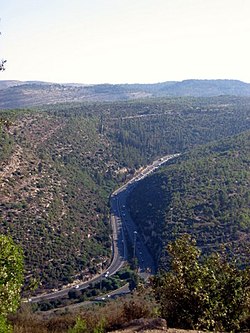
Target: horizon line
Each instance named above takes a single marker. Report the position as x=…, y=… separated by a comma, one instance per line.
x=120, y=83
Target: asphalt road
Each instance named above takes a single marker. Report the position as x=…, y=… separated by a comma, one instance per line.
x=127, y=227
x=124, y=232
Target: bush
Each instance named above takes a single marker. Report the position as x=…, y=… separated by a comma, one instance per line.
x=79, y=327
x=212, y=294
x=137, y=307
x=11, y=275
x=4, y=326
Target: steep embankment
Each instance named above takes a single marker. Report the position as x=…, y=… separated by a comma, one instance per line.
x=205, y=193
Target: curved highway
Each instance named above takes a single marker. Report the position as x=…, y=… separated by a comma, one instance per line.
x=124, y=232
x=127, y=229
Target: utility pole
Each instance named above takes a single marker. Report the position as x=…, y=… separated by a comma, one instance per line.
x=101, y=280
x=135, y=234
x=171, y=214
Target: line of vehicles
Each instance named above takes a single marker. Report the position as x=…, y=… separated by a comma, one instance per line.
x=123, y=218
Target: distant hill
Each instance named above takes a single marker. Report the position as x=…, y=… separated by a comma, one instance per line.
x=19, y=94
x=4, y=84
x=205, y=88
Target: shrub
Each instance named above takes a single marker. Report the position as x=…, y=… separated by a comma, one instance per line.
x=212, y=294
x=135, y=308
x=79, y=327
x=4, y=326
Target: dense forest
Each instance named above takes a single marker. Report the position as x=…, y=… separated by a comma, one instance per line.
x=60, y=163
x=204, y=193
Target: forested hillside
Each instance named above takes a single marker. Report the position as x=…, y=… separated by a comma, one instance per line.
x=205, y=193
x=60, y=163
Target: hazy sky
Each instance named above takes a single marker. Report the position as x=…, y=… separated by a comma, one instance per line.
x=118, y=41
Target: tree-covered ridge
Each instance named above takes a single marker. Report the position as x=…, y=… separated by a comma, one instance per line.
x=205, y=193
x=60, y=163
x=175, y=125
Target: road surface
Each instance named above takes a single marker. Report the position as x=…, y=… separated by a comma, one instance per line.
x=129, y=233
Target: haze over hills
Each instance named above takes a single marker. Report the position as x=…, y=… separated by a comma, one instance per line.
x=19, y=94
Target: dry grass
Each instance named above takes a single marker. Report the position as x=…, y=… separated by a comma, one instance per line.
x=113, y=314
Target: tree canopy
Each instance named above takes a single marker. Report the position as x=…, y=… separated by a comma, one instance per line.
x=11, y=277
x=211, y=293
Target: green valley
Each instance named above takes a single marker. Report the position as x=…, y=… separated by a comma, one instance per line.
x=60, y=163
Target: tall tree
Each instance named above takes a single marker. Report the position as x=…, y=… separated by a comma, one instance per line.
x=2, y=62
x=11, y=277
x=211, y=294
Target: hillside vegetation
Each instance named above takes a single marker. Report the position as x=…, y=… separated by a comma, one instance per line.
x=60, y=163
x=205, y=193
x=210, y=294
